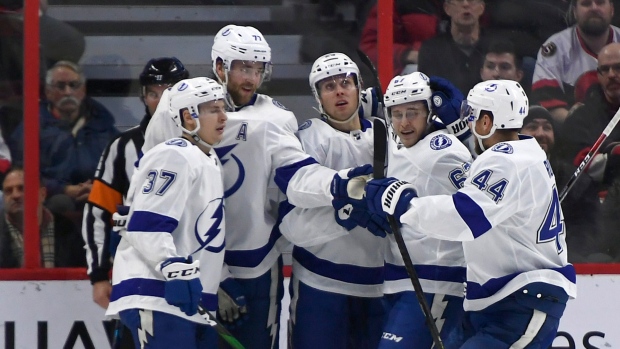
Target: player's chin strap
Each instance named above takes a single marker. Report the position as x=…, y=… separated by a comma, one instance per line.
x=326, y=117
x=228, y=98
x=194, y=135
x=479, y=138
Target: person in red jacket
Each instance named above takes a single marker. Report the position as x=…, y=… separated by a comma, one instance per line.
x=414, y=22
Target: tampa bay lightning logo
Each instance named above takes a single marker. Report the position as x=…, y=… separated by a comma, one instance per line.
x=279, y=105
x=305, y=125
x=437, y=101
x=222, y=152
x=178, y=142
x=491, y=88
x=440, y=142
x=209, y=226
x=503, y=148
x=182, y=87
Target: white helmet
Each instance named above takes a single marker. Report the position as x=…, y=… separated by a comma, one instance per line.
x=505, y=99
x=329, y=65
x=190, y=93
x=405, y=89
x=237, y=43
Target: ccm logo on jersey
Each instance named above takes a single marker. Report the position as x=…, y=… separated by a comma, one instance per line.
x=391, y=337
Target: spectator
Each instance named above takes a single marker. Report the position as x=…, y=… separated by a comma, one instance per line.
x=568, y=54
x=74, y=130
x=61, y=244
x=457, y=55
x=414, y=21
x=539, y=124
x=501, y=61
x=58, y=41
x=581, y=129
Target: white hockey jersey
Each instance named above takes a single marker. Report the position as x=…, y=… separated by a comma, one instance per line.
x=508, y=214
x=561, y=60
x=436, y=165
x=176, y=202
x=260, y=153
x=326, y=256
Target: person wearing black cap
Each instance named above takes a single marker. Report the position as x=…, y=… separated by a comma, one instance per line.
x=112, y=178
x=539, y=124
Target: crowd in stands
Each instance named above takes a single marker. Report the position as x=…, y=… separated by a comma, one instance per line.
x=565, y=53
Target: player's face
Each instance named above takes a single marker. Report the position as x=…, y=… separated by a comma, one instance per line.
x=500, y=66
x=65, y=92
x=464, y=12
x=212, y=116
x=339, y=96
x=409, y=121
x=244, y=78
x=609, y=72
x=542, y=130
x=152, y=95
x=594, y=16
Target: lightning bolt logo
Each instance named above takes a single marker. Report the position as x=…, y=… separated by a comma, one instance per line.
x=437, y=309
x=221, y=154
x=214, y=223
x=146, y=327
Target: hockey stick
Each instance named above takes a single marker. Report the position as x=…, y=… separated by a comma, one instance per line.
x=220, y=329
x=584, y=163
x=380, y=140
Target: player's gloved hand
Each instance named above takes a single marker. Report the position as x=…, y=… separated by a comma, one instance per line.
x=183, y=288
x=369, y=105
x=447, y=101
x=347, y=186
x=232, y=307
x=374, y=223
x=389, y=196
x=119, y=224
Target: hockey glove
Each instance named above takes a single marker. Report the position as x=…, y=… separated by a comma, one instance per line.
x=375, y=224
x=119, y=220
x=183, y=288
x=369, y=105
x=447, y=101
x=232, y=307
x=347, y=186
x=389, y=196
x=612, y=166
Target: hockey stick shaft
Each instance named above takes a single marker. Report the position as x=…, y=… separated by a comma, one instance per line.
x=220, y=329
x=590, y=156
x=380, y=146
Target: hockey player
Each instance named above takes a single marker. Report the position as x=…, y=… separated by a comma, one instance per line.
x=510, y=221
x=112, y=178
x=336, y=285
x=170, y=258
x=260, y=154
x=434, y=163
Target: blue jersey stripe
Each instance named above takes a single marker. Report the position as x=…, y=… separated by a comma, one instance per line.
x=343, y=272
x=477, y=291
x=153, y=288
x=471, y=213
x=428, y=272
x=151, y=222
x=285, y=173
